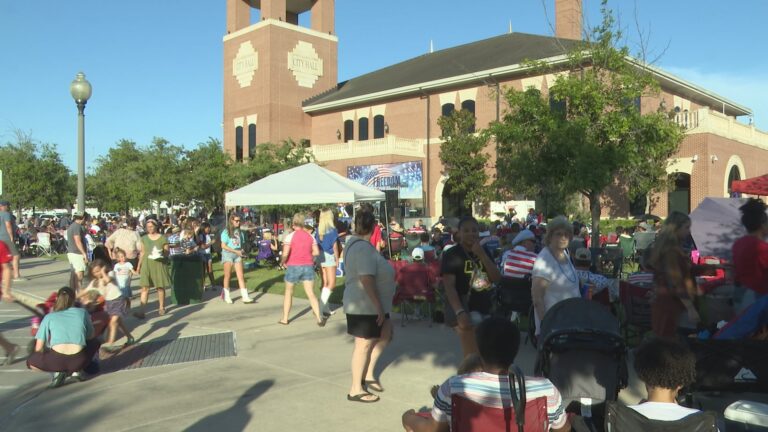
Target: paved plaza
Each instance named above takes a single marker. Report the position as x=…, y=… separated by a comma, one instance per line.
x=282, y=377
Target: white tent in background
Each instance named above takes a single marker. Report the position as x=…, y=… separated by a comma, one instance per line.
x=304, y=184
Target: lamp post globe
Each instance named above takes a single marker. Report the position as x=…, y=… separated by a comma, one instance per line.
x=80, y=89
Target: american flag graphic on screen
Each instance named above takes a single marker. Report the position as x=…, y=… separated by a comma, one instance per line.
x=404, y=177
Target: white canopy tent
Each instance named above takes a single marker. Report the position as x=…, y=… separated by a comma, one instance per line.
x=305, y=184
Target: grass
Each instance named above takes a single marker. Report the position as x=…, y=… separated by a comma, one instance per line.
x=270, y=280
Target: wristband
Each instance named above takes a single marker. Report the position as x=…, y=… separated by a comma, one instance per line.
x=459, y=312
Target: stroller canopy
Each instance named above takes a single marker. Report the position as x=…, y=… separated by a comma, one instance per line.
x=578, y=315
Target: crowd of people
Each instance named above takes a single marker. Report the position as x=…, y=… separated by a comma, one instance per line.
x=470, y=258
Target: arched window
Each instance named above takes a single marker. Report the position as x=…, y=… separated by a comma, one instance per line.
x=378, y=126
x=251, y=141
x=448, y=109
x=362, y=126
x=733, y=175
x=349, y=130
x=469, y=105
x=239, y=143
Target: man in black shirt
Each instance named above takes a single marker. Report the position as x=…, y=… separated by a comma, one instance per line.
x=467, y=274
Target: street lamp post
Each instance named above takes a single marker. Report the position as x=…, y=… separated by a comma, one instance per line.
x=81, y=91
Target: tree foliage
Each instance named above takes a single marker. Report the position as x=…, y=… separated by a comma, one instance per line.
x=591, y=131
x=34, y=175
x=464, y=157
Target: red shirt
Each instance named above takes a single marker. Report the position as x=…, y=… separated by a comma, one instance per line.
x=376, y=236
x=301, y=249
x=5, y=257
x=750, y=263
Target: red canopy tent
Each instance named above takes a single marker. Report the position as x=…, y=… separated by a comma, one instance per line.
x=752, y=186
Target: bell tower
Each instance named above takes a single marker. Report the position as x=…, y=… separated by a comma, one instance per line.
x=271, y=65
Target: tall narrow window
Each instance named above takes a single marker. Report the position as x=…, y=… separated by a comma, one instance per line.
x=251, y=141
x=469, y=105
x=448, y=109
x=362, y=126
x=239, y=143
x=349, y=130
x=378, y=126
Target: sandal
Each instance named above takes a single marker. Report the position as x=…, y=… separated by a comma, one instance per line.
x=283, y=323
x=361, y=398
x=130, y=341
x=322, y=322
x=374, y=385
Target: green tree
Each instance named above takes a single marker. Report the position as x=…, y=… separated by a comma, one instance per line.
x=464, y=157
x=117, y=181
x=212, y=173
x=33, y=174
x=591, y=132
x=162, y=170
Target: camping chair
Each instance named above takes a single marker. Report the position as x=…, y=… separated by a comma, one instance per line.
x=635, y=299
x=627, y=246
x=643, y=240
x=467, y=415
x=621, y=418
x=415, y=292
x=396, y=243
x=43, y=245
x=514, y=295
x=611, y=261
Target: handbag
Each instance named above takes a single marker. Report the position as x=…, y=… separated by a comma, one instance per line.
x=479, y=280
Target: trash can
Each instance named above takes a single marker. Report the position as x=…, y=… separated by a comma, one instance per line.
x=187, y=279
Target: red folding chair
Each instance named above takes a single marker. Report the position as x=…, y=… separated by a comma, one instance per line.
x=415, y=291
x=470, y=416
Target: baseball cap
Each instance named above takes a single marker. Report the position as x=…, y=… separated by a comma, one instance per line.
x=582, y=254
x=5, y=203
x=523, y=236
x=417, y=254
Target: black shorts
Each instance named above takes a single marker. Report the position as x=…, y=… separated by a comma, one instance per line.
x=51, y=361
x=364, y=326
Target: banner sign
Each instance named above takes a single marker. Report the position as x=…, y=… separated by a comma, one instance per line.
x=404, y=177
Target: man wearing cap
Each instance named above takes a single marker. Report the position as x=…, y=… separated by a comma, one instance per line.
x=126, y=239
x=582, y=260
x=417, y=277
x=7, y=234
x=78, y=257
x=518, y=262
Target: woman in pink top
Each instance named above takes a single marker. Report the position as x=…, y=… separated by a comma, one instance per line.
x=299, y=250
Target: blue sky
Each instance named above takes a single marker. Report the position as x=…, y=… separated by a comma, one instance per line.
x=156, y=65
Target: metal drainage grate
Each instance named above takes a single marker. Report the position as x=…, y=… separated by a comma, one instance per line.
x=172, y=351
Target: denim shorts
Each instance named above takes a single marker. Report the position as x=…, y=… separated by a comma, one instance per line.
x=296, y=274
x=227, y=256
x=329, y=260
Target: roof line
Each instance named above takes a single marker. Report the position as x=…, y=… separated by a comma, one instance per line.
x=444, y=82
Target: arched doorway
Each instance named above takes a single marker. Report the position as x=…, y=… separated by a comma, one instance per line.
x=733, y=175
x=679, y=196
x=453, y=203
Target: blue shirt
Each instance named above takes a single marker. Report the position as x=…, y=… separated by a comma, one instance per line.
x=70, y=326
x=328, y=240
x=235, y=242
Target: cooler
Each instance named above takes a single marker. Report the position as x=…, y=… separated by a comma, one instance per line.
x=746, y=416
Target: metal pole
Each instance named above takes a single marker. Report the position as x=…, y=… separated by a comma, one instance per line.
x=80, y=157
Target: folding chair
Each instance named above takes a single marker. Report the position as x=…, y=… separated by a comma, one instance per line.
x=621, y=418
x=43, y=245
x=415, y=292
x=470, y=416
x=635, y=300
x=514, y=295
x=627, y=246
x=643, y=240
x=611, y=261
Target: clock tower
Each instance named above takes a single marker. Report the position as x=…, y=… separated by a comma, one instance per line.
x=271, y=65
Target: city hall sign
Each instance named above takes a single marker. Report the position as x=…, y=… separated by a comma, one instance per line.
x=305, y=64
x=245, y=64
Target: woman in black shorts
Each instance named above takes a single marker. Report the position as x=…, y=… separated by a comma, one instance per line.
x=368, y=290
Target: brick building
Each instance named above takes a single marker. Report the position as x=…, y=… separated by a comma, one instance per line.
x=280, y=82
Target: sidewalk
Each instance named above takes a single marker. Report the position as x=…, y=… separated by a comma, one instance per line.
x=293, y=377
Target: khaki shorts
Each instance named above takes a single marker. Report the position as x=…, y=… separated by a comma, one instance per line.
x=77, y=262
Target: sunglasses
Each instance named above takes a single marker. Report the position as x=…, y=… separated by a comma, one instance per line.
x=235, y=220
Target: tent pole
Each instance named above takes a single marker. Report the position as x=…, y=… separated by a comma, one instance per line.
x=389, y=230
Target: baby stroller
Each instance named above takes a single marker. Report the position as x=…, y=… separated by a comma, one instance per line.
x=582, y=352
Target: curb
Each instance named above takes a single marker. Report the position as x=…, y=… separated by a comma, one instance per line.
x=27, y=300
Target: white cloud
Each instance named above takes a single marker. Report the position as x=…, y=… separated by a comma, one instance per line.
x=742, y=88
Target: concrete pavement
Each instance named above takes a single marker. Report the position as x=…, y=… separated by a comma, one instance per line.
x=291, y=377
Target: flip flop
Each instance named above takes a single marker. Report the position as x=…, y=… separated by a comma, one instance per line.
x=283, y=323
x=374, y=385
x=359, y=398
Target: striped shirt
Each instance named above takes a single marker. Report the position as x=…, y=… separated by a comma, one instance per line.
x=641, y=278
x=517, y=263
x=492, y=391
